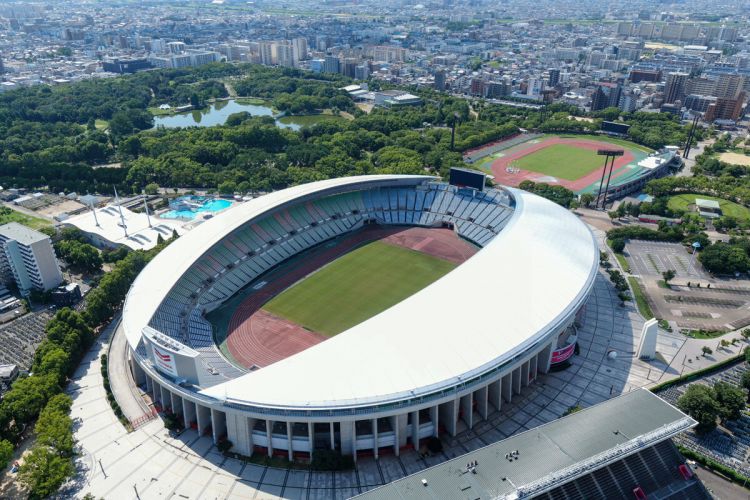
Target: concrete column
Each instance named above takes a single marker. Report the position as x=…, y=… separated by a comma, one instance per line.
x=203, y=418
x=176, y=403
x=188, y=412
x=139, y=376
x=507, y=386
x=311, y=437
x=467, y=409
x=290, y=441
x=435, y=417
x=149, y=384
x=545, y=357
x=333, y=435
x=269, y=429
x=155, y=394
x=525, y=371
x=399, y=423
x=163, y=401
x=494, y=394
x=533, y=370
x=448, y=414
x=348, y=439
x=218, y=424
x=375, y=437
x=517, y=380
x=238, y=433
x=415, y=429
x=481, y=396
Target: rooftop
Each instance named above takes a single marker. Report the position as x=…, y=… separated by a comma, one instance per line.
x=549, y=455
x=22, y=234
x=140, y=236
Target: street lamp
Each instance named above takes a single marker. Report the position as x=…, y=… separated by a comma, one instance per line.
x=696, y=245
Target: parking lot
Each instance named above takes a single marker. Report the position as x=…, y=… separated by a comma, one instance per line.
x=651, y=258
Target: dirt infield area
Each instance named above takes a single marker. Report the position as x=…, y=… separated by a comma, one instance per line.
x=257, y=338
x=503, y=176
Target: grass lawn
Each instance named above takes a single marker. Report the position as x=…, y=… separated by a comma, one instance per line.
x=640, y=299
x=9, y=215
x=561, y=160
x=257, y=101
x=682, y=202
x=611, y=140
x=356, y=287
x=101, y=124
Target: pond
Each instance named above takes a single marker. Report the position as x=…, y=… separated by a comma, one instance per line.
x=218, y=112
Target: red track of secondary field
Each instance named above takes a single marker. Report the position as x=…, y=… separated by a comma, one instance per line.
x=503, y=177
x=259, y=338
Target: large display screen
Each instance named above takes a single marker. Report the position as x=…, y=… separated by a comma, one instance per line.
x=467, y=178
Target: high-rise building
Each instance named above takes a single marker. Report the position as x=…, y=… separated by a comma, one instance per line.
x=299, y=47
x=628, y=101
x=554, y=77
x=728, y=86
x=362, y=72
x=725, y=109
x=674, y=90
x=267, y=53
x=28, y=259
x=440, y=80
x=331, y=64
x=349, y=67
x=285, y=55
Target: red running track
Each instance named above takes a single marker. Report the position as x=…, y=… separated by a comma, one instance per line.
x=257, y=338
x=502, y=177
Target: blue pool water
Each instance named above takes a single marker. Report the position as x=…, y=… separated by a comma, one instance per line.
x=207, y=206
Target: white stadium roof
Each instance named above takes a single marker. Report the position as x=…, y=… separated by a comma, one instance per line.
x=516, y=290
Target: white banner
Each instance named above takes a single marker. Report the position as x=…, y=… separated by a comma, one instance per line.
x=164, y=361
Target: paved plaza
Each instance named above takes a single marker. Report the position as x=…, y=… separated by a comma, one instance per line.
x=148, y=463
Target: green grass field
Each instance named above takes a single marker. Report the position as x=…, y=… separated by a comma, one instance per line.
x=356, y=287
x=9, y=215
x=683, y=201
x=562, y=161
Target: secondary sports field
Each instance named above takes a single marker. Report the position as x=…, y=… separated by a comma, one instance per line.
x=356, y=287
x=561, y=160
x=568, y=160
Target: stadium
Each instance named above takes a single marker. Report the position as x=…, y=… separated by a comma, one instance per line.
x=571, y=161
x=259, y=327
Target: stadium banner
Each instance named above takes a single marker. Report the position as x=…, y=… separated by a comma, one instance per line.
x=563, y=354
x=164, y=361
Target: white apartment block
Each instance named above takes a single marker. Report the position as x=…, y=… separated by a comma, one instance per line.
x=28, y=259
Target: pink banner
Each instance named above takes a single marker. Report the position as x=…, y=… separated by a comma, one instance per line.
x=563, y=354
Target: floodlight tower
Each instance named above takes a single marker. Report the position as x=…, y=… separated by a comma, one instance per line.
x=609, y=158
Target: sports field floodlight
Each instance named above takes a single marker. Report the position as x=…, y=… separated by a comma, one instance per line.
x=610, y=155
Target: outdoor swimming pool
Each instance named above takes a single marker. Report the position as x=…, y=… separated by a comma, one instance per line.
x=209, y=205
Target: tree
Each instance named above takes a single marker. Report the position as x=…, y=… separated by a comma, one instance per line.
x=624, y=297
x=6, y=453
x=706, y=350
x=668, y=275
x=44, y=471
x=618, y=245
x=731, y=400
x=151, y=188
x=587, y=199
x=699, y=402
x=745, y=381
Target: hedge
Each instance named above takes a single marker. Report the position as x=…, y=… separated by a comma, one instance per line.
x=698, y=373
x=715, y=466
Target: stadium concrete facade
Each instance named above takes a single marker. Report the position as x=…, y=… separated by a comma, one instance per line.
x=439, y=360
